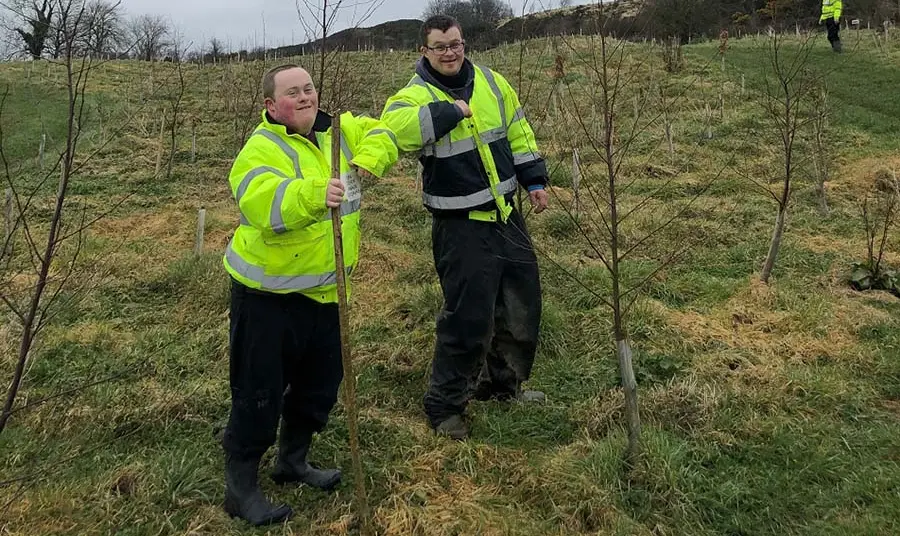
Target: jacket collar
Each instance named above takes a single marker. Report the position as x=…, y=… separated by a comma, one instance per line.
x=321, y=124
x=422, y=69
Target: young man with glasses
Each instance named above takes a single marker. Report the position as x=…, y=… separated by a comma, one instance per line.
x=477, y=148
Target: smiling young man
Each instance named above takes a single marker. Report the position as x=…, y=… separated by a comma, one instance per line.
x=477, y=148
x=285, y=348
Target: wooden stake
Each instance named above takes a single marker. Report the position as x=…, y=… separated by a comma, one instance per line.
x=201, y=227
x=670, y=141
x=159, y=152
x=708, y=122
x=576, y=180
x=8, y=220
x=349, y=391
x=722, y=102
x=41, y=150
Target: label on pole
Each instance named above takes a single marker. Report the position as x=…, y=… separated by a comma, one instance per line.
x=352, y=186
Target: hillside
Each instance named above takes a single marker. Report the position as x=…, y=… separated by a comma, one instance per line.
x=767, y=409
x=404, y=34
x=397, y=35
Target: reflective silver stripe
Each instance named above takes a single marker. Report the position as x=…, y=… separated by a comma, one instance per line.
x=348, y=154
x=244, y=220
x=275, y=218
x=397, y=105
x=446, y=149
x=288, y=150
x=377, y=131
x=277, y=282
x=467, y=201
x=493, y=135
x=252, y=174
x=520, y=114
x=417, y=81
x=525, y=157
x=347, y=207
x=496, y=89
x=427, y=125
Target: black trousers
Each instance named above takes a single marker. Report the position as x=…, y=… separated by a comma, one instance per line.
x=487, y=332
x=832, y=28
x=285, y=362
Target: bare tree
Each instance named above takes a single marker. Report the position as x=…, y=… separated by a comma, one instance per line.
x=787, y=99
x=34, y=310
x=242, y=94
x=176, y=119
x=880, y=217
x=39, y=24
x=65, y=31
x=150, y=35
x=477, y=17
x=334, y=79
x=98, y=29
x=215, y=50
x=104, y=30
x=820, y=146
x=46, y=274
x=629, y=235
x=178, y=46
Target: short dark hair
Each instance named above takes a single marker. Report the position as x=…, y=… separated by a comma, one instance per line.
x=268, y=80
x=438, y=22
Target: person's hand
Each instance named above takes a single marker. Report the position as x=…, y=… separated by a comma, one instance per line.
x=334, y=194
x=464, y=108
x=539, y=200
x=363, y=173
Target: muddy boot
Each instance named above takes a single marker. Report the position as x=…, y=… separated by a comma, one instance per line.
x=293, y=446
x=836, y=47
x=243, y=497
x=454, y=427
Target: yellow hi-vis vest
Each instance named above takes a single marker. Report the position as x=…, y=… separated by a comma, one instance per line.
x=831, y=9
x=285, y=241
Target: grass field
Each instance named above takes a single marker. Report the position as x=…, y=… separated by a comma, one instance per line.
x=767, y=409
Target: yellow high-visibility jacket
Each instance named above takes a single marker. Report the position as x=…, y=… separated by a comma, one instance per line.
x=471, y=163
x=831, y=9
x=285, y=241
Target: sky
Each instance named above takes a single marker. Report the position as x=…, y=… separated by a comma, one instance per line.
x=246, y=24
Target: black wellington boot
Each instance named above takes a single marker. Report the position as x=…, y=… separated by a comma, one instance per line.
x=293, y=446
x=243, y=497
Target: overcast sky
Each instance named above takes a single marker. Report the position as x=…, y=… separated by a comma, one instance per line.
x=239, y=23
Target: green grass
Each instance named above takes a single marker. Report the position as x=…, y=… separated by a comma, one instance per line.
x=766, y=409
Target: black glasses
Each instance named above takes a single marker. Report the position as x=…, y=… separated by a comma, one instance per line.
x=442, y=49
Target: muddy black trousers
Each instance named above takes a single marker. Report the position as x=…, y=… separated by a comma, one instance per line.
x=832, y=28
x=487, y=331
x=285, y=362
